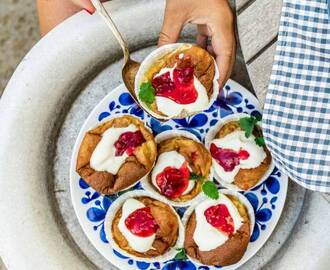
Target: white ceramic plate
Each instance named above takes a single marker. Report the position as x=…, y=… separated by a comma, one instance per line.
x=267, y=199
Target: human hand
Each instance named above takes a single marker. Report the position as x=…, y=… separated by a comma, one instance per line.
x=214, y=19
x=53, y=12
x=85, y=4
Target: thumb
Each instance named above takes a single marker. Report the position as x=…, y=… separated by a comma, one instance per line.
x=224, y=46
x=171, y=29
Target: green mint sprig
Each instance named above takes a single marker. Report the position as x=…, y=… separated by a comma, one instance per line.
x=195, y=177
x=260, y=141
x=181, y=255
x=210, y=190
x=248, y=124
x=147, y=93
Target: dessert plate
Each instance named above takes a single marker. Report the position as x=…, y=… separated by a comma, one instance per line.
x=90, y=207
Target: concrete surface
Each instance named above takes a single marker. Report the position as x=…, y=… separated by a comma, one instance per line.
x=18, y=33
x=308, y=247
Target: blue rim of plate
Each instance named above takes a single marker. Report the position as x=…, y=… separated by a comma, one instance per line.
x=267, y=199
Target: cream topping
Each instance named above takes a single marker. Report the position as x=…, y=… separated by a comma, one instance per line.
x=205, y=235
x=171, y=108
x=139, y=244
x=169, y=159
x=103, y=157
x=237, y=141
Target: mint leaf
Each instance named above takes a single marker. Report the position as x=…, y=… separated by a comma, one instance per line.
x=260, y=141
x=258, y=117
x=195, y=177
x=247, y=124
x=147, y=93
x=210, y=190
x=181, y=255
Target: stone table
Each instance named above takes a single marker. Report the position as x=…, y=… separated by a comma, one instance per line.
x=257, y=24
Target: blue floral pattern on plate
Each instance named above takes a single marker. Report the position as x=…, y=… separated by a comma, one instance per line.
x=267, y=199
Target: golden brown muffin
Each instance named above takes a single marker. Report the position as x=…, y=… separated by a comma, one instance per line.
x=166, y=235
x=194, y=56
x=135, y=167
x=247, y=178
x=228, y=253
x=197, y=156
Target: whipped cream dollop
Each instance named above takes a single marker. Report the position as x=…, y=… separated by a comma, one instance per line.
x=169, y=159
x=237, y=141
x=170, y=108
x=104, y=155
x=139, y=244
x=205, y=235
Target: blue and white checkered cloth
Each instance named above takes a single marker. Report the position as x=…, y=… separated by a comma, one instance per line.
x=296, y=117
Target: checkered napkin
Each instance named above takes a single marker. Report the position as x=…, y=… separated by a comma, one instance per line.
x=296, y=117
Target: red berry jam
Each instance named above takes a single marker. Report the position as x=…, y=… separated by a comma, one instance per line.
x=172, y=181
x=141, y=222
x=228, y=159
x=181, y=89
x=243, y=154
x=219, y=217
x=128, y=141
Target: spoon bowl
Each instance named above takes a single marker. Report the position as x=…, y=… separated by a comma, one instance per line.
x=128, y=73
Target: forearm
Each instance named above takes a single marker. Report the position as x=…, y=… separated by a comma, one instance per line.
x=53, y=12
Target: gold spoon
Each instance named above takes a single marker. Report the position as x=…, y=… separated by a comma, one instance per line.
x=130, y=67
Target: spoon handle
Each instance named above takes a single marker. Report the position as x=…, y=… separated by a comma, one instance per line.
x=108, y=20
